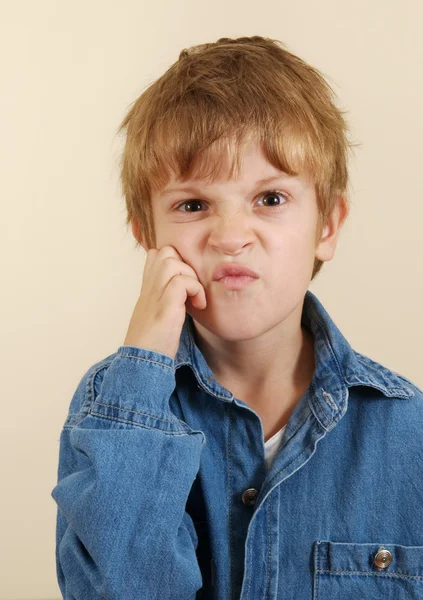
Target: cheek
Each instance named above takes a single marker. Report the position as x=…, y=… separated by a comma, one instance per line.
x=185, y=244
x=292, y=252
x=165, y=236
x=292, y=241
x=186, y=250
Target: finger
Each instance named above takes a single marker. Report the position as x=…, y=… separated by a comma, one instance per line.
x=181, y=287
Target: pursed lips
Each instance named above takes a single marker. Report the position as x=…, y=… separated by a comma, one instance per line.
x=233, y=270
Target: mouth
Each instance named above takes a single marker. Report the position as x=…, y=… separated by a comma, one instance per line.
x=233, y=270
x=236, y=282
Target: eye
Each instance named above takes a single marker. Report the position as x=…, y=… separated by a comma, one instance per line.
x=189, y=203
x=270, y=193
x=275, y=193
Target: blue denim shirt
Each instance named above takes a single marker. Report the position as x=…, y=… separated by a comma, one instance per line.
x=156, y=458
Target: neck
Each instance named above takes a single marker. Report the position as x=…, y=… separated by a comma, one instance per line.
x=278, y=362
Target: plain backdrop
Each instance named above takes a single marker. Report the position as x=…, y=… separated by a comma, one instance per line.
x=70, y=276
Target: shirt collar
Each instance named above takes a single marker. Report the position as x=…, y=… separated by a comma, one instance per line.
x=337, y=366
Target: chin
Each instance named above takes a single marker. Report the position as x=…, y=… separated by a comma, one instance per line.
x=230, y=328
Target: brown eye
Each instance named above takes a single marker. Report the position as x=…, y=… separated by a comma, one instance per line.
x=189, y=203
x=275, y=199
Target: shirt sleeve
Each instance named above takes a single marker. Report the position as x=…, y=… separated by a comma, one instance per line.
x=126, y=467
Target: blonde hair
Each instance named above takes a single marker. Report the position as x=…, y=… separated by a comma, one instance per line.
x=214, y=97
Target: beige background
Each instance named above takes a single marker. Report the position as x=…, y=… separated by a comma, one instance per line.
x=70, y=276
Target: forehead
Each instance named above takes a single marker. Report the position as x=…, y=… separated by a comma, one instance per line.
x=248, y=166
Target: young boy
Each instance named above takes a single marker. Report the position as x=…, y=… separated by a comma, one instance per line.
x=236, y=446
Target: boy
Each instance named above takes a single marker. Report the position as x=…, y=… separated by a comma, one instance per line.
x=235, y=445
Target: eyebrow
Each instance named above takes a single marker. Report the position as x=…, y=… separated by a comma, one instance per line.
x=193, y=190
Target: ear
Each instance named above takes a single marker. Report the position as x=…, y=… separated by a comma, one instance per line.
x=325, y=249
x=136, y=233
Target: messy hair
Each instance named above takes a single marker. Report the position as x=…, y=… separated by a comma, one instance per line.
x=215, y=97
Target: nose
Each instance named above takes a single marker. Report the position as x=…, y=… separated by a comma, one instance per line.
x=230, y=236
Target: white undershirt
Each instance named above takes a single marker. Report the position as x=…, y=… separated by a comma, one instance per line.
x=272, y=445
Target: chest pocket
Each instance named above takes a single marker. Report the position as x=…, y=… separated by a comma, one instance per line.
x=377, y=571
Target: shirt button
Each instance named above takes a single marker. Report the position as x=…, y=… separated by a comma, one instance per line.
x=249, y=496
x=383, y=558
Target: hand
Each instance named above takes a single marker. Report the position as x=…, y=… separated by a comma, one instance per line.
x=159, y=314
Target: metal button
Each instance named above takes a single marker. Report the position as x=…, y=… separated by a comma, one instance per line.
x=249, y=496
x=382, y=559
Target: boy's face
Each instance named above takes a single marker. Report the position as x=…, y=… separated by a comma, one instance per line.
x=239, y=221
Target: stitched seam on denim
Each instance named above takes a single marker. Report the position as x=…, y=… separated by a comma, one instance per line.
x=316, y=579
x=367, y=573
x=285, y=438
x=367, y=381
x=292, y=462
x=198, y=377
x=329, y=345
x=136, y=412
x=82, y=417
x=120, y=420
x=89, y=390
x=328, y=399
x=89, y=395
x=154, y=362
x=387, y=391
x=269, y=506
x=229, y=500
x=206, y=388
x=250, y=571
x=367, y=361
x=320, y=412
x=411, y=383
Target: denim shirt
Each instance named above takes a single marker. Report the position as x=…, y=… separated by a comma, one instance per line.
x=163, y=491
